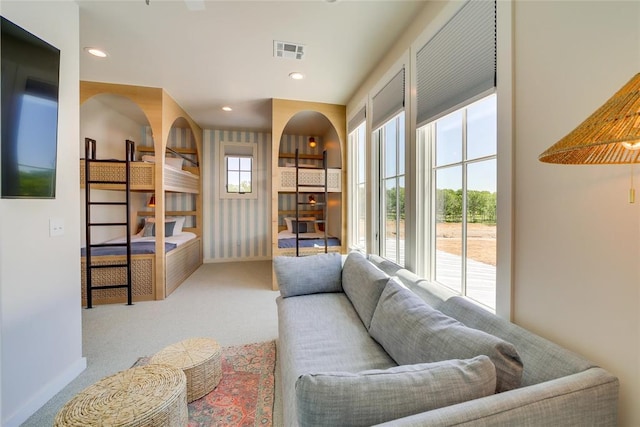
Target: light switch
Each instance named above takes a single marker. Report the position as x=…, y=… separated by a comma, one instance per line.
x=56, y=227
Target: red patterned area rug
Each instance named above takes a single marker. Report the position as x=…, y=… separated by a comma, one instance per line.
x=244, y=397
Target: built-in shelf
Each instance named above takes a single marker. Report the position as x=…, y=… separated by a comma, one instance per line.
x=306, y=212
x=147, y=149
x=300, y=156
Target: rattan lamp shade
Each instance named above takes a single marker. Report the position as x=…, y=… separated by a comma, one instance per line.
x=598, y=140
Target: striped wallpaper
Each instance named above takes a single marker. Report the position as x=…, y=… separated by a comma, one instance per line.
x=236, y=229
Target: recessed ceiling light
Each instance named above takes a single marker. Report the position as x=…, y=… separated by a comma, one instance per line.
x=96, y=52
x=227, y=108
x=296, y=75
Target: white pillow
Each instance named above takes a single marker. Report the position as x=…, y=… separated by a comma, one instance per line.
x=179, y=223
x=174, y=162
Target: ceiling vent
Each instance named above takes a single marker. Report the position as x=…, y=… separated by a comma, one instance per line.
x=288, y=50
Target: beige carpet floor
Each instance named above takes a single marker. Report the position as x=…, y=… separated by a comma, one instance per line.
x=230, y=302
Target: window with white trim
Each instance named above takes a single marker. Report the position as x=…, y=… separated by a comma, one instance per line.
x=358, y=188
x=392, y=186
x=238, y=170
x=461, y=152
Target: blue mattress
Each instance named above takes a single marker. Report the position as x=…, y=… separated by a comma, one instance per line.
x=308, y=243
x=137, y=248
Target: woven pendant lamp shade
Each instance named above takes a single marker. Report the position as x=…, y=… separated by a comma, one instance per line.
x=598, y=140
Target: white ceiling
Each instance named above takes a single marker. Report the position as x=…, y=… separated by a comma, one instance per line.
x=223, y=54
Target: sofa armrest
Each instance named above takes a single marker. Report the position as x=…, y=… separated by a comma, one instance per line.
x=588, y=398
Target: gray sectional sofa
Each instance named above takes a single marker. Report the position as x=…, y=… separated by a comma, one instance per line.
x=362, y=342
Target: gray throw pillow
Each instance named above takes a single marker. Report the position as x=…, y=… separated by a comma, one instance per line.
x=363, y=283
x=308, y=275
x=303, y=227
x=150, y=229
x=376, y=396
x=411, y=331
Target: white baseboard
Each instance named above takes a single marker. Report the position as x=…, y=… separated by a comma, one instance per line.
x=46, y=393
x=243, y=259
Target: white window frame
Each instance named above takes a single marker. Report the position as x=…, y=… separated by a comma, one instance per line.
x=426, y=151
x=379, y=138
x=355, y=157
x=237, y=149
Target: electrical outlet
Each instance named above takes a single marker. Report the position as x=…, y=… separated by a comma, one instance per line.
x=56, y=227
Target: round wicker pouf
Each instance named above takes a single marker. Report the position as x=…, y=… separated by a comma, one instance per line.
x=199, y=358
x=151, y=395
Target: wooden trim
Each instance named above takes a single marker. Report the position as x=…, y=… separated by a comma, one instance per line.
x=292, y=212
x=300, y=156
x=147, y=149
x=181, y=263
x=168, y=213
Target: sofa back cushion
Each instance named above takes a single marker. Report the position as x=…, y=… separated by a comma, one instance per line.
x=363, y=283
x=411, y=332
x=543, y=360
x=308, y=275
x=376, y=396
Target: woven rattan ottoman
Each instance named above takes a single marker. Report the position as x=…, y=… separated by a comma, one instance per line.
x=151, y=395
x=199, y=358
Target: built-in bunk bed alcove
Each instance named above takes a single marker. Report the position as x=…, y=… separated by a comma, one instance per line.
x=165, y=169
x=303, y=221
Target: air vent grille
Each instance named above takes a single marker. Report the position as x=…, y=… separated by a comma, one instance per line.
x=288, y=50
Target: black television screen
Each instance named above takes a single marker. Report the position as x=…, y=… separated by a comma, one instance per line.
x=30, y=72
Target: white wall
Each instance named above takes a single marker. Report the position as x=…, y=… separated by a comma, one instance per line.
x=577, y=241
x=40, y=275
x=110, y=129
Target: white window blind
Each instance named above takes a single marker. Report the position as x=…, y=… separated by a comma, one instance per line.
x=458, y=62
x=357, y=119
x=389, y=101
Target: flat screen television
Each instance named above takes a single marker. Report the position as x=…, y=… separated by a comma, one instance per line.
x=30, y=77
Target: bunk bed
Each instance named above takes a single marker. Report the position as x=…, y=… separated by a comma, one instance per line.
x=304, y=230
x=183, y=247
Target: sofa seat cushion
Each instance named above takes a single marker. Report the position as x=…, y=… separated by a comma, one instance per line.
x=322, y=332
x=308, y=275
x=411, y=332
x=326, y=334
x=363, y=283
x=376, y=396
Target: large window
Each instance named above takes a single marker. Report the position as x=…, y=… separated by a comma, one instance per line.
x=462, y=151
x=392, y=186
x=358, y=190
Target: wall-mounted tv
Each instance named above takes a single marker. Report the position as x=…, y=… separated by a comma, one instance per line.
x=30, y=76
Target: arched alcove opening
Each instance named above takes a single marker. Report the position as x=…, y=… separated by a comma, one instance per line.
x=293, y=123
x=297, y=134
x=110, y=120
x=182, y=152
